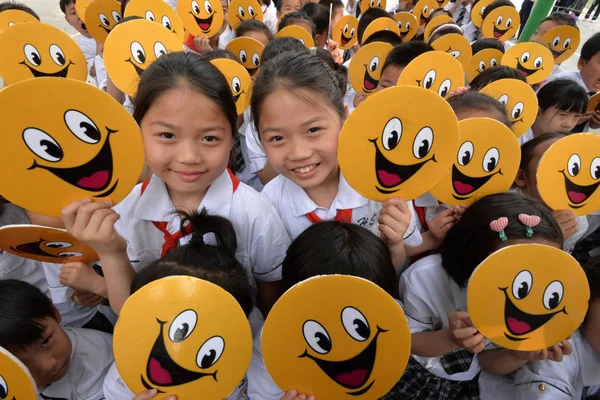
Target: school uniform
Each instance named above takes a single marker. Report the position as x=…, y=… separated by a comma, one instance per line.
x=101, y=75
x=227, y=36
x=470, y=31
x=462, y=14
x=270, y=16
x=575, y=76
x=257, y=158
x=526, y=137
x=91, y=358
x=88, y=47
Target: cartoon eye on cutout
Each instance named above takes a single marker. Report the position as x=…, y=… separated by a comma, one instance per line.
x=116, y=16
x=3, y=388
x=400, y=24
x=241, y=12
x=182, y=326
x=207, y=6
x=429, y=79
x=42, y=145
x=508, y=23
x=373, y=64
x=210, y=352
x=104, y=20
x=82, y=126
x=567, y=43
x=167, y=22
x=538, y=62
x=424, y=12
x=195, y=7
x=503, y=99
x=236, y=84
x=556, y=41
x=137, y=52
x=316, y=337
x=499, y=20
x=481, y=65
x=525, y=57
x=58, y=56
x=352, y=32
x=243, y=56
x=445, y=87
x=493, y=62
x=58, y=245
x=491, y=159
x=345, y=28
x=70, y=254
x=150, y=16
x=553, y=295
x=517, y=110
x=355, y=324
x=255, y=59
x=465, y=153
x=595, y=168
x=455, y=53
x=371, y=3
x=32, y=54
x=379, y=4
x=574, y=165
x=159, y=49
x=423, y=142
x=251, y=11
x=392, y=132
x=522, y=285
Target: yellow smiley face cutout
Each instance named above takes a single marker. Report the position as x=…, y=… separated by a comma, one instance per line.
x=365, y=67
x=297, y=32
x=381, y=24
x=44, y=244
x=569, y=174
x=366, y=4
x=241, y=10
x=239, y=81
x=68, y=142
x=248, y=52
x=9, y=18
x=336, y=337
x=594, y=103
x=408, y=25
x=80, y=7
x=562, y=42
x=434, y=23
x=344, y=32
x=423, y=9
x=182, y=336
x=533, y=60
x=201, y=17
x=101, y=16
x=477, y=11
x=16, y=383
x=457, y=46
x=389, y=148
x=437, y=71
x=501, y=24
x=519, y=100
x=487, y=162
x=528, y=297
x=35, y=50
x=157, y=11
x=482, y=60
x=130, y=49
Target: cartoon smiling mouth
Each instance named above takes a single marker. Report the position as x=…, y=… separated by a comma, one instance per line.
x=526, y=71
x=105, y=28
x=95, y=175
x=369, y=83
x=465, y=185
x=353, y=373
x=345, y=39
x=520, y=323
x=204, y=24
x=423, y=19
x=557, y=53
x=137, y=69
x=60, y=74
x=162, y=370
x=390, y=175
x=577, y=194
x=237, y=96
x=251, y=71
x=499, y=32
x=403, y=34
x=33, y=248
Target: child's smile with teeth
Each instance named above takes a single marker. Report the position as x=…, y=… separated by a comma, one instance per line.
x=307, y=169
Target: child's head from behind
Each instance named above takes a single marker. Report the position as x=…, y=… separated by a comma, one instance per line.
x=254, y=29
x=13, y=5
x=471, y=104
x=188, y=119
x=494, y=74
x=398, y=59
x=299, y=112
x=369, y=16
x=282, y=45
x=589, y=63
x=554, y=20
x=471, y=239
x=384, y=36
x=336, y=248
x=319, y=15
x=486, y=43
x=445, y=29
x=30, y=329
x=561, y=104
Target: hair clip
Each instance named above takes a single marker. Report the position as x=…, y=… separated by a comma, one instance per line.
x=460, y=90
x=498, y=225
x=529, y=221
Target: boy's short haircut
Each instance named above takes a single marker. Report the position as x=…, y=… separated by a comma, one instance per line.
x=494, y=5
x=590, y=47
x=486, y=43
x=564, y=94
x=403, y=54
x=13, y=5
x=22, y=306
x=64, y=3
x=561, y=18
x=319, y=15
x=384, y=36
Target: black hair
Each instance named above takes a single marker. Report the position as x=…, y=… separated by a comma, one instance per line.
x=22, y=306
x=561, y=18
x=369, y=16
x=335, y=5
x=472, y=100
x=528, y=147
x=282, y=45
x=384, y=36
x=471, y=239
x=252, y=25
x=564, y=94
x=219, y=53
x=486, y=43
x=319, y=15
x=215, y=264
x=494, y=74
x=494, y=5
x=296, y=16
x=444, y=29
x=176, y=69
x=127, y=19
x=592, y=272
x=403, y=54
x=437, y=12
x=341, y=72
x=337, y=248
x=13, y=5
x=296, y=71
x=590, y=47
x=63, y=5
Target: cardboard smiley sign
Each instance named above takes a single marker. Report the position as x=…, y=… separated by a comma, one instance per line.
x=482, y=60
x=365, y=67
x=80, y=7
x=519, y=100
x=562, y=42
x=501, y=24
x=408, y=25
x=457, y=46
x=201, y=17
x=568, y=175
x=241, y=10
x=423, y=9
x=44, y=244
x=297, y=32
x=435, y=23
x=336, y=337
x=389, y=148
x=160, y=12
x=248, y=52
x=477, y=11
x=487, y=162
x=101, y=16
x=345, y=32
x=366, y=4
x=381, y=24
x=533, y=60
x=16, y=383
x=239, y=81
x=33, y=50
x=130, y=49
x=182, y=336
x=68, y=142
x=9, y=18
x=594, y=103
x=437, y=71
x=528, y=297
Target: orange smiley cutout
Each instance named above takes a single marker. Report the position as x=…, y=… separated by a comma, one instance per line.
x=344, y=32
x=457, y=46
x=423, y=10
x=157, y=11
x=501, y=24
x=365, y=67
x=9, y=18
x=435, y=23
x=241, y=10
x=239, y=81
x=594, y=103
x=16, y=383
x=248, y=51
x=201, y=17
x=562, y=41
x=366, y=4
x=297, y=32
x=408, y=25
x=482, y=60
x=101, y=16
x=533, y=60
x=435, y=70
x=381, y=24
x=477, y=11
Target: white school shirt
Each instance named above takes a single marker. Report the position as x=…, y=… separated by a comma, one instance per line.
x=88, y=47
x=470, y=31
x=257, y=158
x=91, y=358
x=270, y=17
x=261, y=237
x=101, y=75
x=227, y=36
x=429, y=295
x=466, y=18
x=572, y=75
x=526, y=137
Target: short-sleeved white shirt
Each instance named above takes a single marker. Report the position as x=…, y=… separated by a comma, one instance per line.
x=88, y=47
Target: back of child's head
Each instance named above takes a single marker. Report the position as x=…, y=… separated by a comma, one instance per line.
x=184, y=71
x=561, y=18
x=564, y=94
x=336, y=248
x=319, y=15
x=402, y=55
x=495, y=73
x=494, y=5
x=369, y=16
x=486, y=43
x=592, y=271
x=219, y=53
x=384, y=36
x=472, y=104
x=127, y=19
x=251, y=25
x=528, y=148
x=282, y=45
x=298, y=18
x=13, y=5
x=444, y=29
x=22, y=307
x=341, y=72
x=590, y=48
x=471, y=239
x=216, y=264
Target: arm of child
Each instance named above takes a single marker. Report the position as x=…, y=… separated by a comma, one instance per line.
x=438, y=229
x=81, y=277
x=567, y=221
x=505, y=362
x=150, y=394
x=294, y=395
x=114, y=91
x=87, y=299
x=394, y=219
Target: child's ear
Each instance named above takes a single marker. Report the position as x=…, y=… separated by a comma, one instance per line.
x=581, y=63
x=520, y=180
x=347, y=112
x=56, y=314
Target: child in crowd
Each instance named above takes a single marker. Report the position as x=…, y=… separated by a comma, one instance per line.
x=287, y=6
x=298, y=18
x=337, y=10
x=319, y=15
x=554, y=20
x=14, y=5
x=255, y=30
x=398, y=59
x=494, y=74
x=87, y=44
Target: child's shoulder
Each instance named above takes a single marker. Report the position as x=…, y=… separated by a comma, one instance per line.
x=430, y=265
x=276, y=188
